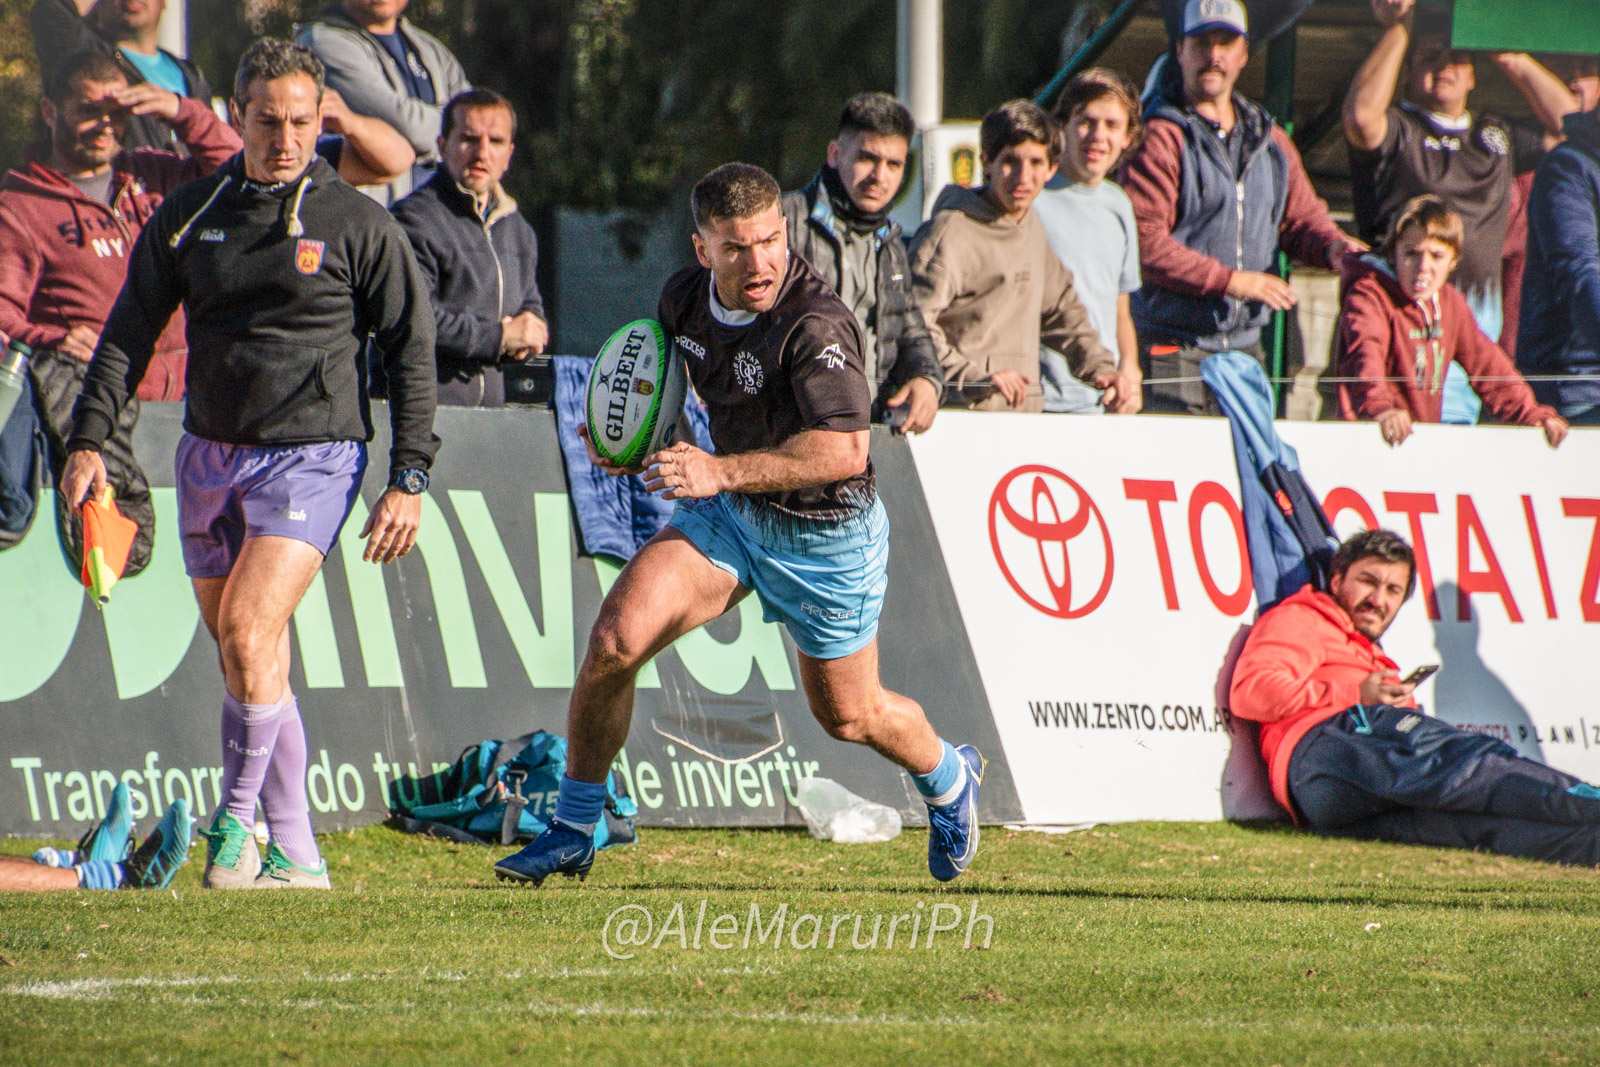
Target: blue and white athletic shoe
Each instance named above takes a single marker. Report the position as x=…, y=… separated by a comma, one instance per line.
x=559, y=850
x=163, y=852
x=953, y=830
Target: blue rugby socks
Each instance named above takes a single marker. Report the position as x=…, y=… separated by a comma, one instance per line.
x=99, y=874
x=941, y=786
x=579, y=804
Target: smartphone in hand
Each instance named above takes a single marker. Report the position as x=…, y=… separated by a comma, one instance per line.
x=1420, y=675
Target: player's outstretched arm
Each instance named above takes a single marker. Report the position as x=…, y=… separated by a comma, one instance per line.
x=811, y=457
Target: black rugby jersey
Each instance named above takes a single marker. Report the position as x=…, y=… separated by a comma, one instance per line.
x=797, y=366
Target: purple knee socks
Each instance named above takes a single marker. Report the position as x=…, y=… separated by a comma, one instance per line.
x=249, y=732
x=283, y=792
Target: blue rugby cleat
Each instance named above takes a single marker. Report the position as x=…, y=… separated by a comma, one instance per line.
x=953, y=830
x=163, y=852
x=559, y=850
x=109, y=838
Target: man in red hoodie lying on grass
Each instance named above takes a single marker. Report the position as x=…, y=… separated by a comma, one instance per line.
x=1402, y=324
x=1350, y=755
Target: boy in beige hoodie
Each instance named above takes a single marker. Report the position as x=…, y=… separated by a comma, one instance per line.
x=988, y=285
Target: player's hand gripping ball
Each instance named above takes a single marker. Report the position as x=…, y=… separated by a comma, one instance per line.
x=635, y=394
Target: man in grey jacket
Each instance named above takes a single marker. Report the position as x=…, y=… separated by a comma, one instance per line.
x=840, y=224
x=386, y=68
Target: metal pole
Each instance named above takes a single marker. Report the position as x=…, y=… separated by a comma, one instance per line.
x=919, y=55
x=1090, y=50
x=174, y=28
x=1280, y=102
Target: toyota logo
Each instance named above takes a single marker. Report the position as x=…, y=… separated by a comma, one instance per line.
x=1034, y=515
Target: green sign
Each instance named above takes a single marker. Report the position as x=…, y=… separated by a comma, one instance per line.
x=477, y=634
x=1561, y=26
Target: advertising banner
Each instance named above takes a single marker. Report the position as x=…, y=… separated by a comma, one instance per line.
x=1101, y=570
x=476, y=634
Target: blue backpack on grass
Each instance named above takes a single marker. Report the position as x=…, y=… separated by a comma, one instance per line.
x=503, y=792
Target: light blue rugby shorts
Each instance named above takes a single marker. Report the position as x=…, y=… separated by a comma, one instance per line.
x=824, y=581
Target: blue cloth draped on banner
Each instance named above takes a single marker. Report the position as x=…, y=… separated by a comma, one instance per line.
x=1290, y=539
x=615, y=516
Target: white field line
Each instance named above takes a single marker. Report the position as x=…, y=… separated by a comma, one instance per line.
x=146, y=990
x=108, y=988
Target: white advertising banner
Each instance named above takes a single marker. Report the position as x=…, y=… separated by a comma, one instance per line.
x=949, y=157
x=1101, y=572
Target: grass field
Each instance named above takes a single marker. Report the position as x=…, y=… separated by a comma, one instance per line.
x=1143, y=943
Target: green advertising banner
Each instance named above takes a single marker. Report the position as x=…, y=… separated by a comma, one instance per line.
x=477, y=634
x=1561, y=26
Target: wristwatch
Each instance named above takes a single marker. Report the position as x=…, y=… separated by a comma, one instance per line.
x=412, y=480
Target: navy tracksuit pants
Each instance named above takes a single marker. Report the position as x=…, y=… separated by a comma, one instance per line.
x=1393, y=774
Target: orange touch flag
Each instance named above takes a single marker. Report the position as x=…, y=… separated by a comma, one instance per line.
x=107, y=540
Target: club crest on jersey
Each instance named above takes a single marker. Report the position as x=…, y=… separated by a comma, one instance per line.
x=308, y=256
x=748, y=370
x=1495, y=140
x=833, y=356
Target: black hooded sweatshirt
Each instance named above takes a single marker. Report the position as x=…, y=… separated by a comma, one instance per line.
x=281, y=285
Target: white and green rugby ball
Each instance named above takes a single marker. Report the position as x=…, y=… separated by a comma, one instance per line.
x=635, y=393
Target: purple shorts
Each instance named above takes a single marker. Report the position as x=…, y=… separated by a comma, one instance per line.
x=230, y=493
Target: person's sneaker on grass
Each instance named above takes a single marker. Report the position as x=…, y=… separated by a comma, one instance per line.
x=953, y=826
x=233, y=859
x=154, y=862
x=278, y=871
x=110, y=839
x=559, y=850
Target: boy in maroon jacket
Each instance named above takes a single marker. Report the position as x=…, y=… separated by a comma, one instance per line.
x=1402, y=324
x=68, y=221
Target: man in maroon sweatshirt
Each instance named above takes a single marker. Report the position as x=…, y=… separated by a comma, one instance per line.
x=69, y=216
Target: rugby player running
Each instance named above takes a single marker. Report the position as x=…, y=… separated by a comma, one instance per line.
x=283, y=271
x=787, y=507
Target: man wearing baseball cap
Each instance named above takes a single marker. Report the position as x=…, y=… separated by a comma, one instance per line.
x=1218, y=191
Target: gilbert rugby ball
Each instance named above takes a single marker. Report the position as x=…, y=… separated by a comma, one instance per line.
x=635, y=393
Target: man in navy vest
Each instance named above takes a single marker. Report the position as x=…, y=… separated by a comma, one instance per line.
x=1218, y=191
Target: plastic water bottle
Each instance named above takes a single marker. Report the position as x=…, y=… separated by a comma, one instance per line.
x=13, y=375
x=833, y=813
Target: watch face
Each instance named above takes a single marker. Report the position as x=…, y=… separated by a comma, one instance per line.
x=411, y=481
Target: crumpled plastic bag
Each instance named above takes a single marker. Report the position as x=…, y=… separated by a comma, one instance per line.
x=833, y=813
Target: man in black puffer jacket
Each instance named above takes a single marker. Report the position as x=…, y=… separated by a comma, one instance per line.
x=840, y=224
x=477, y=253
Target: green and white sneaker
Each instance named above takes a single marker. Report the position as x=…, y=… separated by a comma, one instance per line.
x=233, y=860
x=280, y=872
